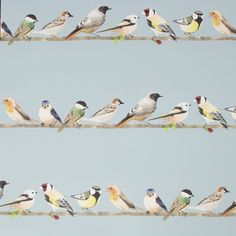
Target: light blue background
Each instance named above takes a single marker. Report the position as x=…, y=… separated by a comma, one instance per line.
x=134, y=159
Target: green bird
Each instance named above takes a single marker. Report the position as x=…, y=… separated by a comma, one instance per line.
x=180, y=203
x=25, y=28
x=75, y=114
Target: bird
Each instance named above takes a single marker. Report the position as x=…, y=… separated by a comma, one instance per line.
x=230, y=210
x=3, y=183
x=48, y=114
x=211, y=202
x=209, y=112
x=180, y=204
x=153, y=202
x=91, y=22
x=142, y=110
x=118, y=199
x=5, y=31
x=232, y=111
x=177, y=115
x=25, y=29
x=24, y=202
x=221, y=24
x=15, y=112
x=107, y=113
x=191, y=24
x=55, y=199
x=76, y=113
x=157, y=23
x=126, y=27
x=56, y=26
x=88, y=199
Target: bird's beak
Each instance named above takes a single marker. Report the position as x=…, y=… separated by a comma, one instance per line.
x=109, y=8
x=71, y=15
x=7, y=183
x=122, y=102
x=227, y=191
x=161, y=96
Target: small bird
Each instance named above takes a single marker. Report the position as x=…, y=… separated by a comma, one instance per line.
x=75, y=114
x=180, y=203
x=221, y=24
x=3, y=183
x=15, y=112
x=209, y=112
x=157, y=23
x=107, y=113
x=56, y=26
x=48, y=114
x=24, y=202
x=88, y=199
x=191, y=24
x=55, y=199
x=118, y=199
x=153, y=202
x=5, y=31
x=126, y=27
x=25, y=29
x=177, y=115
x=211, y=202
x=230, y=210
x=142, y=110
x=91, y=22
x=232, y=111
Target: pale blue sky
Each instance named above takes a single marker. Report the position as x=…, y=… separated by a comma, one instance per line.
x=134, y=159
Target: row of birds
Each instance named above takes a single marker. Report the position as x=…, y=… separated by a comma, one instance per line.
x=95, y=19
x=89, y=199
x=141, y=112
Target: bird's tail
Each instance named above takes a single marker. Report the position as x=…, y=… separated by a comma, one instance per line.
x=124, y=122
x=12, y=40
x=167, y=215
x=161, y=117
x=62, y=127
x=7, y=204
x=173, y=36
x=70, y=212
x=73, y=34
x=110, y=29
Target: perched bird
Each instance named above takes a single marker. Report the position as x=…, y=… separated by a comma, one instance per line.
x=48, y=114
x=3, y=183
x=142, y=110
x=75, y=114
x=221, y=24
x=25, y=29
x=107, y=113
x=180, y=203
x=211, y=202
x=5, y=31
x=191, y=24
x=157, y=23
x=232, y=111
x=56, y=26
x=230, y=210
x=126, y=27
x=153, y=202
x=177, y=115
x=14, y=111
x=91, y=22
x=88, y=199
x=118, y=199
x=209, y=112
x=24, y=202
x=55, y=199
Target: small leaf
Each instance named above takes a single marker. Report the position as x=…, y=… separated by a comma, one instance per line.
x=12, y=215
x=115, y=40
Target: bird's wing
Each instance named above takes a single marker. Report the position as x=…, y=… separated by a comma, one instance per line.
x=4, y=26
x=230, y=210
x=126, y=200
x=73, y=116
x=178, y=205
x=142, y=109
x=213, y=198
x=55, y=115
x=54, y=23
x=185, y=21
x=64, y=204
x=218, y=117
x=22, y=30
x=160, y=203
x=21, y=112
x=82, y=196
x=166, y=28
x=107, y=109
x=92, y=20
x=225, y=22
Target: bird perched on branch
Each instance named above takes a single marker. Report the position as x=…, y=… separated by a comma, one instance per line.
x=25, y=29
x=5, y=31
x=142, y=110
x=230, y=210
x=232, y=111
x=3, y=183
x=91, y=22
x=221, y=24
x=56, y=26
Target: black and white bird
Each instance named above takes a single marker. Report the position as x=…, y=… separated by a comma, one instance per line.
x=3, y=183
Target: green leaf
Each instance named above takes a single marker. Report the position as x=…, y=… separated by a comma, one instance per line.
x=115, y=40
x=12, y=215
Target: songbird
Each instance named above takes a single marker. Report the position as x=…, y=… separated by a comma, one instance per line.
x=48, y=114
x=230, y=210
x=55, y=199
x=180, y=203
x=75, y=115
x=56, y=26
x=221, y=24
x=191, y=24
x=3, y=183
x=5, y=31
x=232, y=111
x=107, y=113
x=118, y=199
x=212, y=202
x=91, y=22
x=126, y=27
x=24, y=202
x=88, y=199
x=209, y=112
x=25, y=29
x=142, y=110
x=153, y=203
x=177, y=115
x=157, y=23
